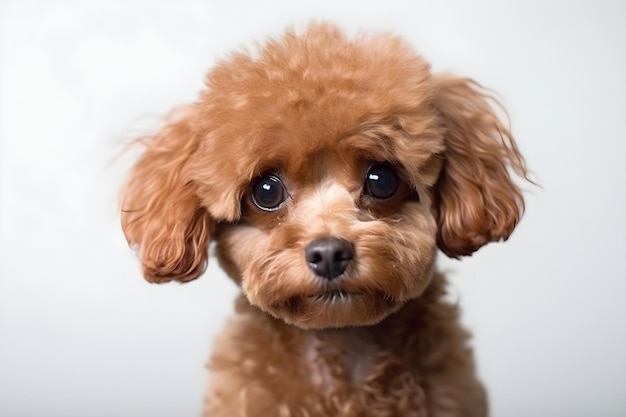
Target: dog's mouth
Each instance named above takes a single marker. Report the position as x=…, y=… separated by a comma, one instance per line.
x=335, y=308
x=331, y=297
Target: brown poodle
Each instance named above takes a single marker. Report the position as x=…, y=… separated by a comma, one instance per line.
x=328, y=171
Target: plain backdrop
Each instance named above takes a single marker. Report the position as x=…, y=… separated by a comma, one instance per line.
x=82, y=334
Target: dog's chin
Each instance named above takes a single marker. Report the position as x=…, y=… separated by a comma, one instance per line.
x=334, y=309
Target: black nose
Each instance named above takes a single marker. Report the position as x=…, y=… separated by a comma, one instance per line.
x=329, y=257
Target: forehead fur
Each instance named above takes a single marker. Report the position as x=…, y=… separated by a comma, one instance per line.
x=303, y=94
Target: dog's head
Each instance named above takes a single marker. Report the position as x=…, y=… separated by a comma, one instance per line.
x=328, y=171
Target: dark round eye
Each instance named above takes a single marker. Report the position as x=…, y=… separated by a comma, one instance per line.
x=268, y=192
x=381, y=182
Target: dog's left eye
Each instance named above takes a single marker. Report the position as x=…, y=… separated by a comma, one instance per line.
x=268, y=192
x=381, y=182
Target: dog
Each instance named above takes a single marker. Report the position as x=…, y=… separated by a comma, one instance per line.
x=328, y=171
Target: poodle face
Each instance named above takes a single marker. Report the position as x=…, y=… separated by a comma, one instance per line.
x=328, y=171
x=343, y=234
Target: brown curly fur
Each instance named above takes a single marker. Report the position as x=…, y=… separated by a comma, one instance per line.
x=318, y=109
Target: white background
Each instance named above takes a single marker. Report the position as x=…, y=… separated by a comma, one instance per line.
x=81, y=333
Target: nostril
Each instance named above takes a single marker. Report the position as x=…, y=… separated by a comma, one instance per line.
x=315, y=257
x=329, y=257
x=343, y=255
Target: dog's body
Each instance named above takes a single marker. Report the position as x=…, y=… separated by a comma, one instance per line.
x=328, y=171
x=413, y=363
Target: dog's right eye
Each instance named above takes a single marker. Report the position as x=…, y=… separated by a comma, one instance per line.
x=268, y=192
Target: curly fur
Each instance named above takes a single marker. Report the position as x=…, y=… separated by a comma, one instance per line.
x=318, y=109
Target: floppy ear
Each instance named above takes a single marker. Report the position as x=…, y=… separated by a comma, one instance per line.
x=478, y=202
x=161, y=213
